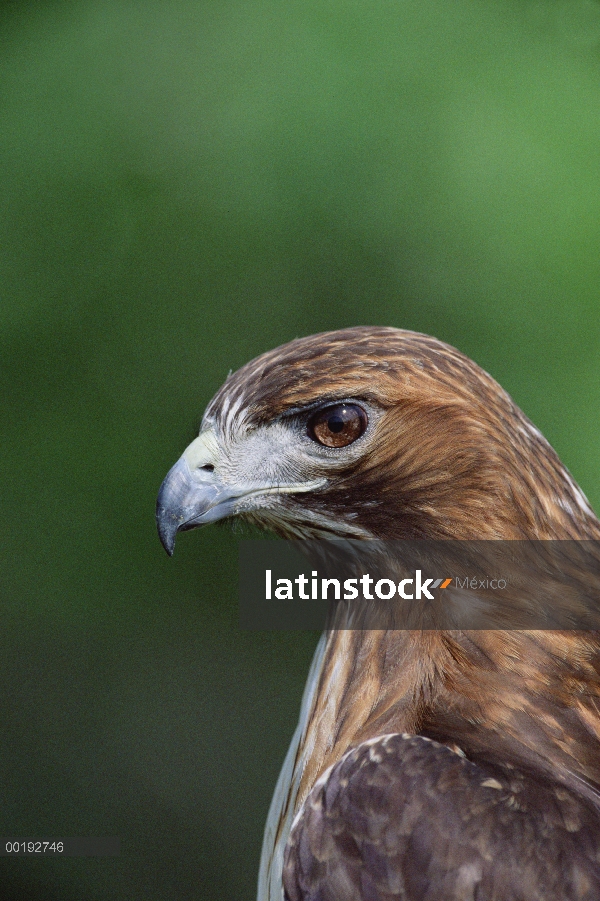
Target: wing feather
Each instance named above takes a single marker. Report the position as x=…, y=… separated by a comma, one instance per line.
x=403, y=818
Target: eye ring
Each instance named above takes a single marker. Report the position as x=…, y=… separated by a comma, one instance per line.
x=337, y=425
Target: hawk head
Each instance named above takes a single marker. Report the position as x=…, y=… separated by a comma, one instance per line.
x=371, y=433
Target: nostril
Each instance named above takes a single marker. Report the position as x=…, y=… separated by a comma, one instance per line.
x=208, y=467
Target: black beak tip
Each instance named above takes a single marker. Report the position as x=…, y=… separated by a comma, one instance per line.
x=167, y=526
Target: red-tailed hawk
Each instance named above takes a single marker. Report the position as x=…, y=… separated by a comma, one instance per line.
x=427, y=765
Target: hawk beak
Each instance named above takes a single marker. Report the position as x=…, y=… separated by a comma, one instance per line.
x=192, y=494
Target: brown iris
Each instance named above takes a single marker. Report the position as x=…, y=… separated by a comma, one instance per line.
x=338, y=425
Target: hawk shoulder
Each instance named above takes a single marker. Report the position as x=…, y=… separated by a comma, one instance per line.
x=402, y=817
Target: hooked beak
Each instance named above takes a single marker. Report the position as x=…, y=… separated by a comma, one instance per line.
x=193, y=494
x=185, y=501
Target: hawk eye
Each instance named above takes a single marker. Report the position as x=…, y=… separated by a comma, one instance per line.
x=338, y=425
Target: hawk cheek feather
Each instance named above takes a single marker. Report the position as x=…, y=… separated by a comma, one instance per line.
x=426, y=766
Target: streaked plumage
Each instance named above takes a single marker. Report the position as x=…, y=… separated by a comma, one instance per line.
x=445, y=454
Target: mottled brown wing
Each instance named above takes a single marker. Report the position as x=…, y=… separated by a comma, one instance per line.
x=405, y=818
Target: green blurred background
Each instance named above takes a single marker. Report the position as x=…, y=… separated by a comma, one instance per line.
x=184, y=185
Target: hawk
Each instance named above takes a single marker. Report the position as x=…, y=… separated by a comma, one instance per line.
x=426, y=765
